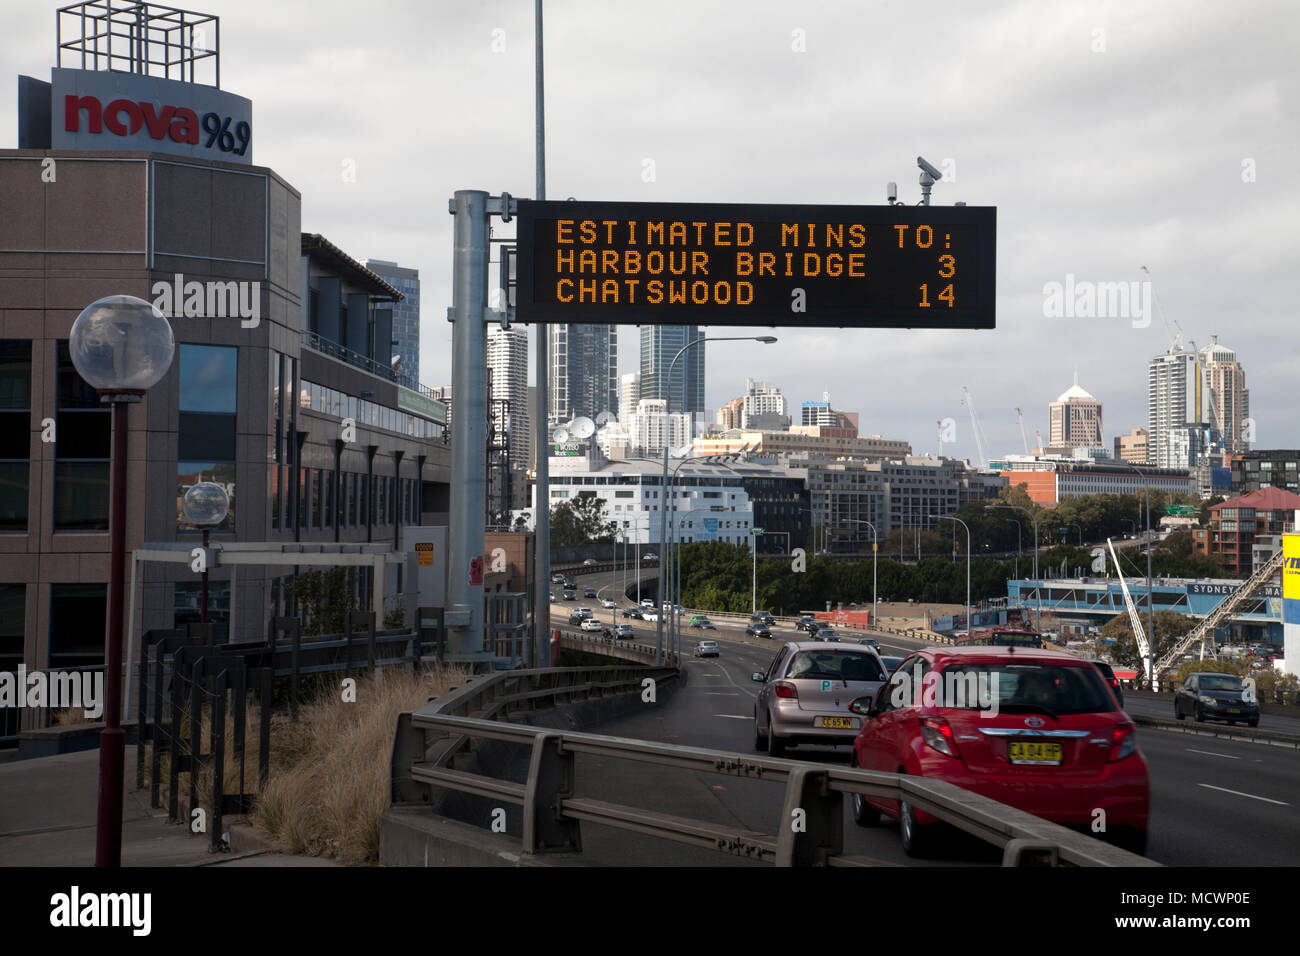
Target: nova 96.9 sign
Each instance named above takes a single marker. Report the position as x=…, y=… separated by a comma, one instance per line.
x=740, y=264
x=98, y=109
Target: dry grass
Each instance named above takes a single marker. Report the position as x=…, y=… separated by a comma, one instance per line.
x=329, y=770
x=72, y=715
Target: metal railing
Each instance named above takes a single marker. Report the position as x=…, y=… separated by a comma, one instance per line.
x=553, y=811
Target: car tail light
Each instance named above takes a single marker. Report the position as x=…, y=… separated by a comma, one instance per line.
x=939, y=735
x=1123, y=742
x=786, y=689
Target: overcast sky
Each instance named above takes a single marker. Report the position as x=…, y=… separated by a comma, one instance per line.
x=1109, y=136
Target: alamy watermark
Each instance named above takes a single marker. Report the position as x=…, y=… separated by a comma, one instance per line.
x=55, y=690
x=209, y=299
x=1082, y=299
x=955, y=688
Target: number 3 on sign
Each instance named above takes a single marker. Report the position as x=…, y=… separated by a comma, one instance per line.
x=944, y=296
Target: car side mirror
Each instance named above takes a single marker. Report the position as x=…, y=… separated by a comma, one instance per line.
x=861, y=706
x=756, y=676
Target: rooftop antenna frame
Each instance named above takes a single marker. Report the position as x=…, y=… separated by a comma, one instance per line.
x=148, y=39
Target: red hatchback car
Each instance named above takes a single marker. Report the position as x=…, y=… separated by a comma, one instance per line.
x=1038, y=730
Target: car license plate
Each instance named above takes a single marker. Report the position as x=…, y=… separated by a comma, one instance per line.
x=1234, y=710
x=1035, y=752
x=837, y=723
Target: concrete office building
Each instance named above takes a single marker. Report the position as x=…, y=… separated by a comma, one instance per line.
x=629, y=393
x=812, y=441
x=1225, y=398
x=730, y=414
x=507, y=361
x=764, y=407
x=406, y=318
x=681, y=385
x=1263, y=468
x=1075, y=419
x=584, y=372
x=710, y=502
x=255, y=397
x=890, y=494
x=1132, y=447
x=1172, y=390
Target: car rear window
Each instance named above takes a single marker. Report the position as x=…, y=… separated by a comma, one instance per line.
x=1026, y=687
x=834, y=665
x=1225, y=682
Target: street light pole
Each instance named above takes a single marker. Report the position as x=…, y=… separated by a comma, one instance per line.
x=1038, y=587
x=875, y=602
x=964, y=525
x=663, y=507
x=121, y=346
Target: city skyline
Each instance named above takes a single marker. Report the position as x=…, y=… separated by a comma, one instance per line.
x=1092, y=183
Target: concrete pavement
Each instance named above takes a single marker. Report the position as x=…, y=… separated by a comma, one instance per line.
x=47, y=818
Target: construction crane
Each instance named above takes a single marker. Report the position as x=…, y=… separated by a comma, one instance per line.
x=1021, y=418
x=939, y=426
x=1135, y=619
x=1175, y=341
x=969, y=401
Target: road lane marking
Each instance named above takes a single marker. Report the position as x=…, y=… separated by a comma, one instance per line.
x=1210, y=786
x=734, y=716
x=1210, y=753
x=719, y=693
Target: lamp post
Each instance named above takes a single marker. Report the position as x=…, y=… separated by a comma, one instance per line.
x=663, y=507
x=672, y=572
x=964, y=525
x=206, y=504
x=1038, y=589
x=1018, y=548
x=122, y=347
x=875, y=603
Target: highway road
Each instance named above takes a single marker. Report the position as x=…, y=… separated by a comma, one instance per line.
x=1214, y=802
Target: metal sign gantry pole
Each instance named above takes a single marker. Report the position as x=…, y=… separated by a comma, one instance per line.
x=541, y=656
x=468, y=315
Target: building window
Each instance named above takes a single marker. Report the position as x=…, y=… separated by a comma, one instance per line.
x=187, y=604
x=77, y=615
x=81, y=451
x=15, y=432
x=13, y=614
x=207, y=400
x=275, y=496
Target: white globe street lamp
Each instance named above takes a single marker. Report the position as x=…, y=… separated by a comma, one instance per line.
x=206, y=504
x=122, y=346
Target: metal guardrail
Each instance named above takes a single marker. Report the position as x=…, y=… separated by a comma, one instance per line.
x=553, y=811
x=584, y=641
x=1272, y=738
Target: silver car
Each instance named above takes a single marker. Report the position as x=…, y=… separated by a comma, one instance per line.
x=807, y=691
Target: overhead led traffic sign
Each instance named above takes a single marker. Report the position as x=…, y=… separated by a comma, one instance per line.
x=741, y=264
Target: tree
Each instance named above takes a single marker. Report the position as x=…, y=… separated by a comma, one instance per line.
x=579, y=521
x=324, y=598
x=1171, y=627
x=1206, y=505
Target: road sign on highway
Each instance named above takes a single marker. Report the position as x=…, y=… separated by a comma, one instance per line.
x=742, y=264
